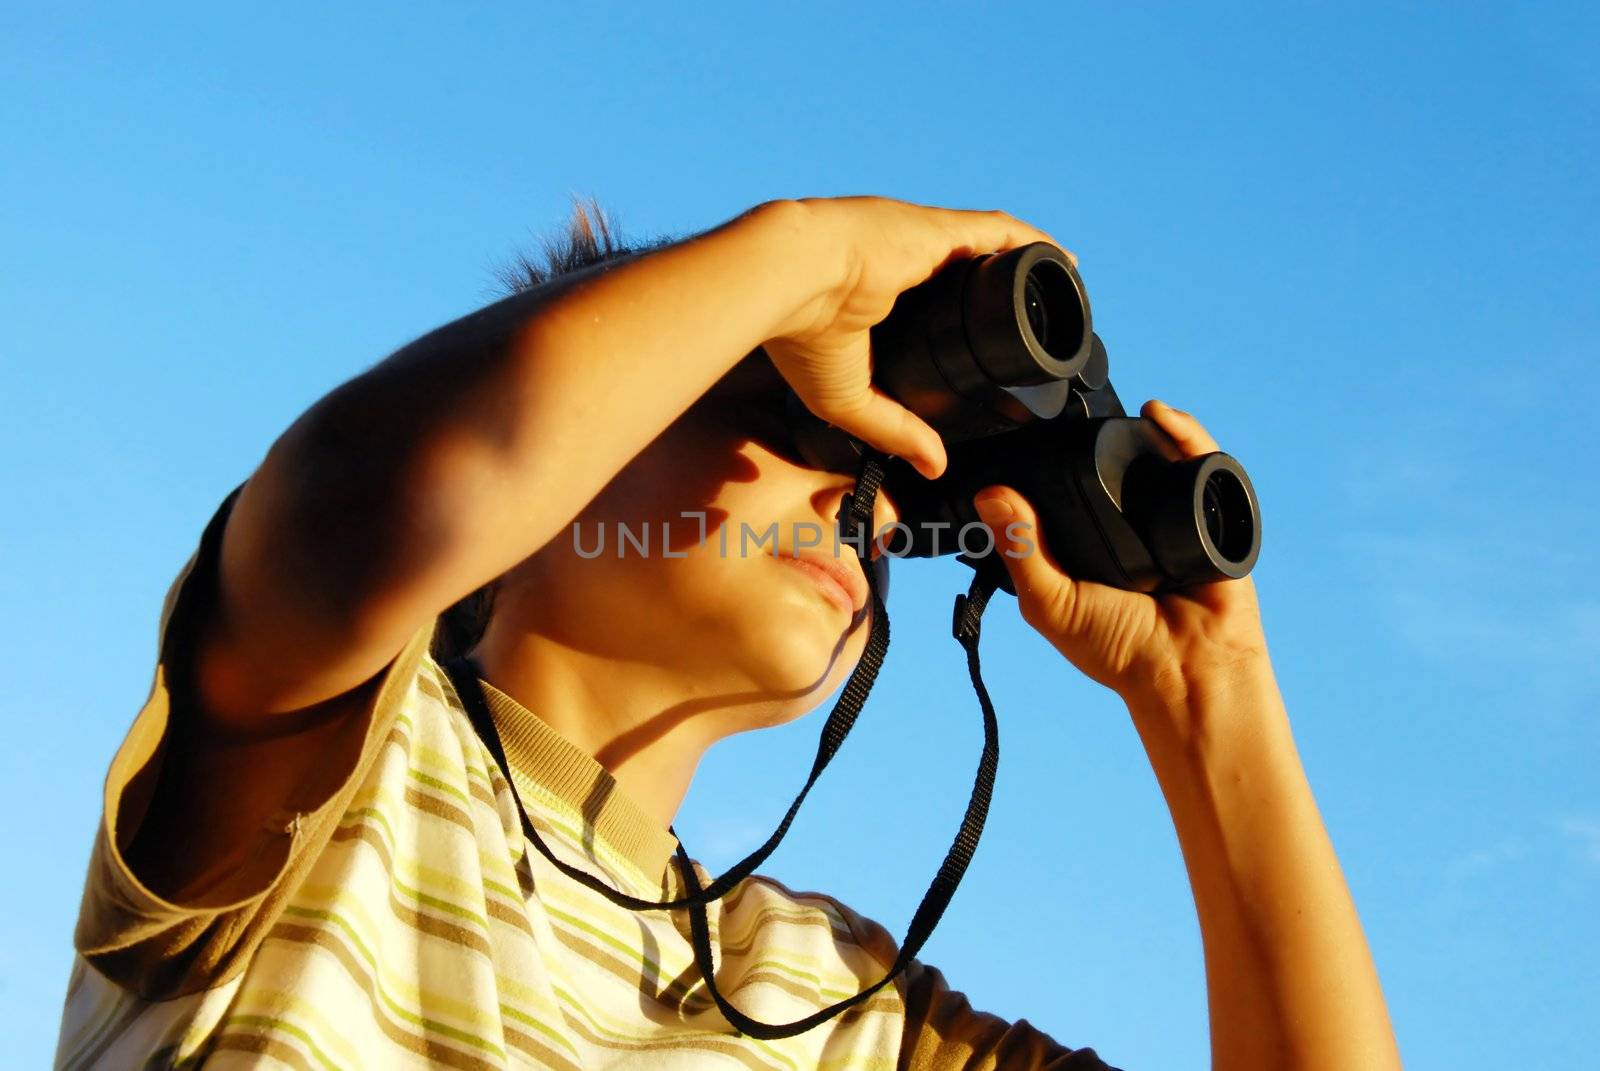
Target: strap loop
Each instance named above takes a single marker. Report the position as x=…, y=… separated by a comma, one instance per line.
x=855, y=516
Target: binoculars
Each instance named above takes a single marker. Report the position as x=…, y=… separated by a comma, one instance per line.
x=998, y=353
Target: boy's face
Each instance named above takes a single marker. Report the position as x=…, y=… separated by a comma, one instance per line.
x=772, y=636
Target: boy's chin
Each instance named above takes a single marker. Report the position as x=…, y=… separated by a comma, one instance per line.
x=799, y=657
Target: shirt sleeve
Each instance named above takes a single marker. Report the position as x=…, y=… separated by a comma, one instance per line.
x=943, y=1032
x=161, y=948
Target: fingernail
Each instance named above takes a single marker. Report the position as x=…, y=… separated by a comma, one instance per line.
x=994, y=511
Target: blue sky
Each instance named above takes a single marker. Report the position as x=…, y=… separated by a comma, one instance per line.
x=1357, y=240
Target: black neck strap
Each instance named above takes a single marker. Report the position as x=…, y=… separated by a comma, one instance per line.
x=855, y=516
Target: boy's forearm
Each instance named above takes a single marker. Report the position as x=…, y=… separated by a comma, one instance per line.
x=449, y=462
x=532, y=405
x=605, y=364
x=1290, y=980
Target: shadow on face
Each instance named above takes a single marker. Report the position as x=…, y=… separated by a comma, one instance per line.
x=675, y=567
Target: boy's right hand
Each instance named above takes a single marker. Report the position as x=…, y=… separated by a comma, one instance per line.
x=879, y=249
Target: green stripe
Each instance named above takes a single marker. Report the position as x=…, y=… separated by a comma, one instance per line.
x=616, y=865
x=434, y=783
x=523, y=1017
x=377, y=983
x=577, y=1009
x=827, y=987
x=428, y=900
x=357, y=816
x=573, y=921
x=285, y=1027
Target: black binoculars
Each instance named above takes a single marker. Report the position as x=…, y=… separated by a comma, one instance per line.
x=998, y=353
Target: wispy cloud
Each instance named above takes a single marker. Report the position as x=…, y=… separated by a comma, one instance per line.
x=1468, y=599
x=1484, y=860
x=1559, y=843
x=1585, y=835
x=729, y=839
x=1471, y=554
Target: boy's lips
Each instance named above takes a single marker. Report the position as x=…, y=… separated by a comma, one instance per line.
x=845, y=575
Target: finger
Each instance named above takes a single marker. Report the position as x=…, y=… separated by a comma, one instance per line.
x=1190, y=435
x=996, y=231
x=1045, y=594
x=882, y=422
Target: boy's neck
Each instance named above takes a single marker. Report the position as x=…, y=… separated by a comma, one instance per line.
x=638, y=721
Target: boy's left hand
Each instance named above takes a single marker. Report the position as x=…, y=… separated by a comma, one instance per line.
x=1138, y=645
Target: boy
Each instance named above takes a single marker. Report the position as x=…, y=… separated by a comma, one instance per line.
x=309, y=857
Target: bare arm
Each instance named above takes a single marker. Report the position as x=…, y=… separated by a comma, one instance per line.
x=465, y=452
x=418, y=481
x=1289, y=978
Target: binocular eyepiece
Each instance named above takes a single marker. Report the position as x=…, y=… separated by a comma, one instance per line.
x=999, y=354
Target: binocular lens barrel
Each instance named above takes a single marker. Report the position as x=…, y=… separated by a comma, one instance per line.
x=1198, y=517
x=998, y=353
x=989, y=344
x=1027, y=316
x=1229, y=520
x=1055, y=313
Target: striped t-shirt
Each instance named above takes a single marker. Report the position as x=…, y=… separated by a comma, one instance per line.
x=405, y=923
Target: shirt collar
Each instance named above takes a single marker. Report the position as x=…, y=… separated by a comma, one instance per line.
x=546, y=758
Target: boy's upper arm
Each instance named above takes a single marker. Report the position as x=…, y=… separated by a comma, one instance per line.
x=327, y=564
x=200, y=839
x=943, y=1032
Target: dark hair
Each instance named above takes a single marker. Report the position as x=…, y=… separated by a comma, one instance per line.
x=590, y=238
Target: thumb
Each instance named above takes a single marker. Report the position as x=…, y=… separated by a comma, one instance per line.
x=1046, y=595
